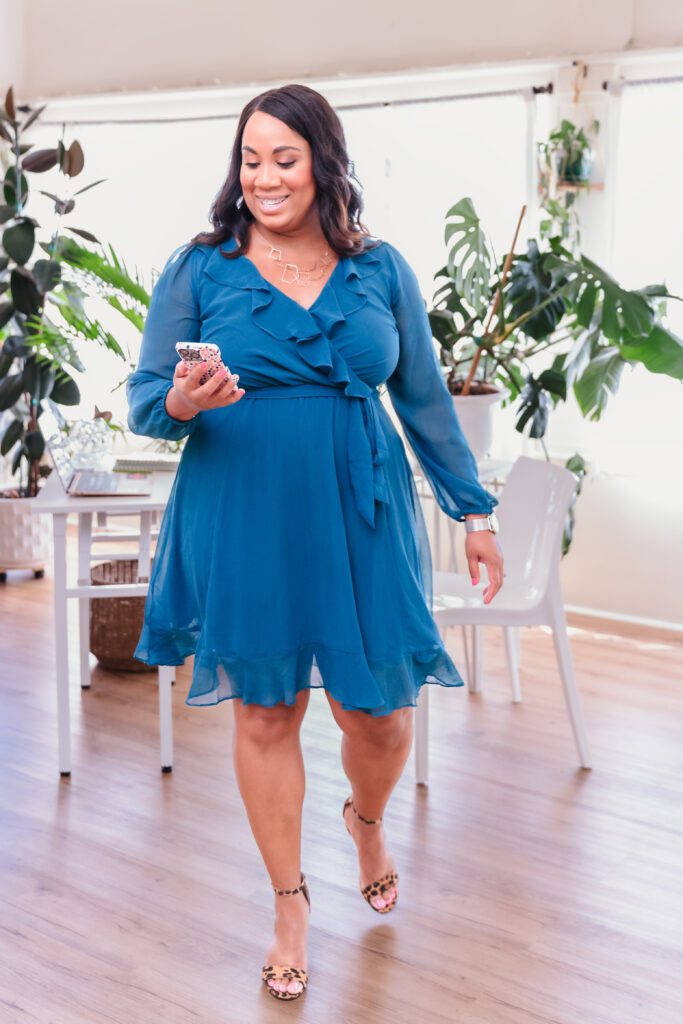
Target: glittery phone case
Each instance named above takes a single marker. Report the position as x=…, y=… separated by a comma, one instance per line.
x=191, y=352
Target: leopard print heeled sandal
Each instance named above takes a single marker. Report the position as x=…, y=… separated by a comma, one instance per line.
x=285, y=972
x=380, y=885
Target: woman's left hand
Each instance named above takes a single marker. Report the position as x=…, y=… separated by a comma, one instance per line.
x=483, y=546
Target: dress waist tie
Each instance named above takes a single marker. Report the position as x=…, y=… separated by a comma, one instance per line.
x=366, y=442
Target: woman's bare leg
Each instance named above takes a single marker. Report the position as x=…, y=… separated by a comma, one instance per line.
x=374, y=752
x=269, y=768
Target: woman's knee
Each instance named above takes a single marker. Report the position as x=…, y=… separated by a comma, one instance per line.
x=267, y=725
x=384, y=730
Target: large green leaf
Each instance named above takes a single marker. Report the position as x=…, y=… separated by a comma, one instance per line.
x=624, y=313
x=531, y=286
x=10, y=187
x=25, y=294
x=65, y=390
x=661, y=352
x=18, y=240
x=600, y=380
x=10, y=390
x=534, y=408
x=6, y=313
x=110, y=269
x=34, y=443
x=39, y=378
x=47, y=274
x=469, y=260
x=14, y=433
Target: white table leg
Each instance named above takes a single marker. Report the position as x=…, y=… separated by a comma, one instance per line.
x=421, y=736
x=84, y=548
x=144, y=547
x=166, y=676
x=61, y=642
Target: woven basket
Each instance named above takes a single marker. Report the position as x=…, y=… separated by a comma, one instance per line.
x=116, y=622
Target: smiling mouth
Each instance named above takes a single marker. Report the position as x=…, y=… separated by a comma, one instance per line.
x=269, y=204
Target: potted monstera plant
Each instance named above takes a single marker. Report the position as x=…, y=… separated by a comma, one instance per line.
x=537, y=325
x=43, y=285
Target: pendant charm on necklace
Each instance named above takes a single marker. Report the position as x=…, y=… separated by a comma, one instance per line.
x=291, y=273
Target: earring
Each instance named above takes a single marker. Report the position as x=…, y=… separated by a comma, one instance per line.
x=239, y=201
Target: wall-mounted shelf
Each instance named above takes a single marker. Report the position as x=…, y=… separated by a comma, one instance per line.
x=572, y=186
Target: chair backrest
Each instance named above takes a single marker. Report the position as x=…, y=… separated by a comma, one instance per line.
x=532, y=511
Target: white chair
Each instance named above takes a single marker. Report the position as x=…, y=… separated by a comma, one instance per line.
x=532, y=510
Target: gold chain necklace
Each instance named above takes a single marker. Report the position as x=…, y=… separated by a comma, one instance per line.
x=291, y=273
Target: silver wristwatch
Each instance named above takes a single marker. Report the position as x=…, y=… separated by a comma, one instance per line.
x=488, y=522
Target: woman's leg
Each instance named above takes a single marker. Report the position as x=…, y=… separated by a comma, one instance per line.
x=269, y=768
x=374, y=752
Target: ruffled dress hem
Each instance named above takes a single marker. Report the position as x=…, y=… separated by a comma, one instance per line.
x=278, y=679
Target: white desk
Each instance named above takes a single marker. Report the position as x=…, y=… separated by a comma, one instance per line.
x=53, y=499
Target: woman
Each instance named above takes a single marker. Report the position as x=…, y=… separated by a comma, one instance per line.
x=293, y=540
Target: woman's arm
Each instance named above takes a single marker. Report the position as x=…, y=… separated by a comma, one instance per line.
x=173, y=316
x=425, y=407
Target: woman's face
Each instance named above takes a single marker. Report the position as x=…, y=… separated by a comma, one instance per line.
x=277, y=165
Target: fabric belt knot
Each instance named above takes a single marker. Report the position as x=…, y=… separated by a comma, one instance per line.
x=366, y=442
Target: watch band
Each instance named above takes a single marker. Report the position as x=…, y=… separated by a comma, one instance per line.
x=481, y=523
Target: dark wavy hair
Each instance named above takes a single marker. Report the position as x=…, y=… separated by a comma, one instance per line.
x=309, y=114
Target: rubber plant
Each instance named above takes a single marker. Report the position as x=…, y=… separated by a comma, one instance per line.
x=43, y=288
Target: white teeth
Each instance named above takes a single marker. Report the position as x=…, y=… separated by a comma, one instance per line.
x=272, y=202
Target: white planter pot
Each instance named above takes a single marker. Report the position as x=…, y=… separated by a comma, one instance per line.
x=476, y=416
x=25, y=538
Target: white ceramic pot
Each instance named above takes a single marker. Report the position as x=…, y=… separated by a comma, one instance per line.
x=25, y=538
x=476, y=416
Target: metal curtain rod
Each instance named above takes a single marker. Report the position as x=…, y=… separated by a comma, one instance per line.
x=667, y=80
x=536, y=89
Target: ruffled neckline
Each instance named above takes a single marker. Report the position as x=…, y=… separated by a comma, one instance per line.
x=283, y=317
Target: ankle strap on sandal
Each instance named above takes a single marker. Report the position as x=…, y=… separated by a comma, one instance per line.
x=368, y=821
x=290, y=892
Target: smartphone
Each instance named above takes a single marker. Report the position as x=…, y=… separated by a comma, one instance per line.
x=191, y=353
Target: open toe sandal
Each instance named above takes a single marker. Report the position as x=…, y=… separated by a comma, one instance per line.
x=285, y=972
x=380, y=885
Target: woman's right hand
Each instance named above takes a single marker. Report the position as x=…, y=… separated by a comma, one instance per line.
x=219, y=390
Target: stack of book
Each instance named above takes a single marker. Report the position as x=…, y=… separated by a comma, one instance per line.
x=146, y=462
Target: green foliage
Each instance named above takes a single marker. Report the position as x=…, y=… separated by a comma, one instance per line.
x=552, y=299
x=43, y=316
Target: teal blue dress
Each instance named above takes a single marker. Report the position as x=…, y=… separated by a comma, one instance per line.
x=293, y=551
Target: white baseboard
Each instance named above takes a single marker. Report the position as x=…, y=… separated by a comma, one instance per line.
x=620, y=617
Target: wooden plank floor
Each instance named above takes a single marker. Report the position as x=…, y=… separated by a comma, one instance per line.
x=531, y=891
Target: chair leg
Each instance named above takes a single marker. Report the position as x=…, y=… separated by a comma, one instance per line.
x=468, y=657
x=474, y=680
x=421, y=737
x=565, y=663
x=511, y=637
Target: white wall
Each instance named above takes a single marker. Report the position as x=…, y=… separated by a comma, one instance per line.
x=83, y=46
x=12, y=46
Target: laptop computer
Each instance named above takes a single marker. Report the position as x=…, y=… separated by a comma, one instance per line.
x=81, y=481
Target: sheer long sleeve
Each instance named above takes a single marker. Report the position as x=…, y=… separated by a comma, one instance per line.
x=173, y=316
x=425, y=407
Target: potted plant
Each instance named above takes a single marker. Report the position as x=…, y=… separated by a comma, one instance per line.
x=569, y=151
x=565, y=166
x=538, y=324
x=42, y=318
